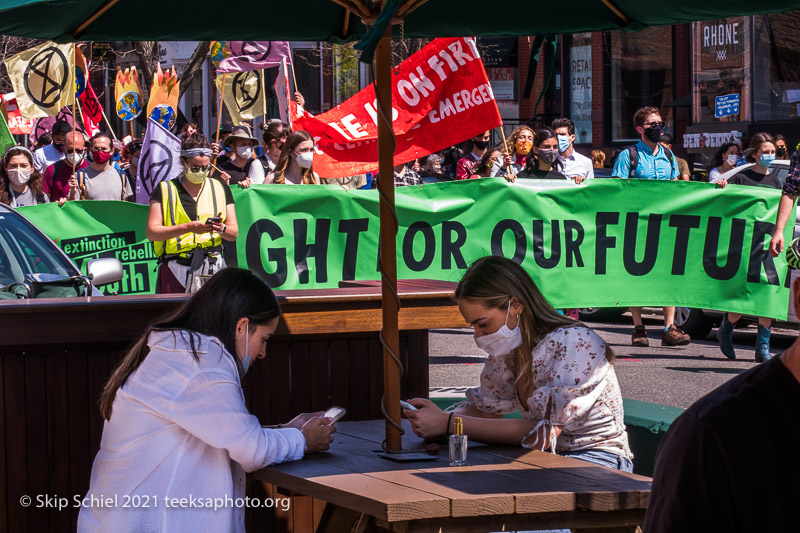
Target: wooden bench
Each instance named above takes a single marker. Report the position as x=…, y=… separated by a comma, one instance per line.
x=503, y=488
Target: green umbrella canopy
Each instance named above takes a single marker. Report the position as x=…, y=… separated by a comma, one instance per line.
x=324, y=20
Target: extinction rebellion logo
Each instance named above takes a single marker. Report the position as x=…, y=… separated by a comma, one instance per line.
x=138, y=259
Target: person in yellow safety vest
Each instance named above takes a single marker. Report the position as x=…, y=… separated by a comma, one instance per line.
x=189, y=218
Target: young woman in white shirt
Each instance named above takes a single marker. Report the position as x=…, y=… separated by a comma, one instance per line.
x=555, y=371
x=177, y=426
x=724, y=160
x=295, y=165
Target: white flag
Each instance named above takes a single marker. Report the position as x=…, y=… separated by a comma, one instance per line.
x=160, y=160
x=282, y=96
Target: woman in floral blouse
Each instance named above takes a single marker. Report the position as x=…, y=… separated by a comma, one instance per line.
x=556, y=372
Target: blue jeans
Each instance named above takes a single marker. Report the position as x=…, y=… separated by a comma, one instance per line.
x=600, y=457
x=603, y=458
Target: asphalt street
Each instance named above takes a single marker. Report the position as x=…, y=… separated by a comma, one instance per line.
x=674, y=376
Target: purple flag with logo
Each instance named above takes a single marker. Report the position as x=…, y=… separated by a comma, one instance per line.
x=159, y=161
x=240, y=56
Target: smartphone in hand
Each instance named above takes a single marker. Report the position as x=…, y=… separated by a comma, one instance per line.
x=214, y=220
x=334, y=413
x=406, y=405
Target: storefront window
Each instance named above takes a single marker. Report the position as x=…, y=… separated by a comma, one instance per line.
x=722, y=70
x=641, y=75
x=776, y=56
x=307, y=69
x=580, y=86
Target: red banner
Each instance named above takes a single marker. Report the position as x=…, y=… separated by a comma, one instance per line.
x=92, y=110
x=441, y=96
x=18, y=124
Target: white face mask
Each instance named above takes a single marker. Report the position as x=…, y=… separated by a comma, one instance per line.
x=502, y=341
x=73, y=159
x=19, y=176
x=246, y=358
x=305, y=160
x=244, y=151
x=732, y=159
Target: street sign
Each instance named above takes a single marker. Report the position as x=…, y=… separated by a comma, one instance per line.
x=726, y=105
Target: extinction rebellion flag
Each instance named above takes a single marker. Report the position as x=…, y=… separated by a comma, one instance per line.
x=43, y=79
x=160, y=161
x=441, y=96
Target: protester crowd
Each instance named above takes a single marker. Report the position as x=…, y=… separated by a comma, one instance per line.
x=193, y=216
x=190, y=222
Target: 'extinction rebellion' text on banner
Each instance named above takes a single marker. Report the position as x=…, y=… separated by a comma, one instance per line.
x=608, y=243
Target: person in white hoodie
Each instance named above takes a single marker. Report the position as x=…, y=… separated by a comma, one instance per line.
x=178, y=437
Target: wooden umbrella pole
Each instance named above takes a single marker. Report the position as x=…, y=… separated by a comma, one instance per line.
x=388, y=242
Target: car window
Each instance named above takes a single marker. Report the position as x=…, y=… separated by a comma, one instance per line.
x=781, y=174
x=25, y=251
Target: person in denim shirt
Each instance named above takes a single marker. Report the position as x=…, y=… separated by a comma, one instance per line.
x=653, y=164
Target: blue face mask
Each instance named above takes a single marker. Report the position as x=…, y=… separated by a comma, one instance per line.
x=246, y=358
x=766, y=160
x=563, y=143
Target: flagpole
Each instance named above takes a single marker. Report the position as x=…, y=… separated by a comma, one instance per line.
x=219, y=114
x=74, y=97
x=264, y=94
x=294, y=76
x=108, y=124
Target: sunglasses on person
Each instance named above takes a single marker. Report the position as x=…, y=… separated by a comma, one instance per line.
x=654, y=124
x=199, y=169
x=97, y=149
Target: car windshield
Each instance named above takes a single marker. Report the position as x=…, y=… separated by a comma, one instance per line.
x=23, y=250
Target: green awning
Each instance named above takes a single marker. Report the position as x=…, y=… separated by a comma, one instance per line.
x=323, y=20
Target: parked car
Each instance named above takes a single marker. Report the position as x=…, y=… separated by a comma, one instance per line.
x=32, y=266
x=698, y=323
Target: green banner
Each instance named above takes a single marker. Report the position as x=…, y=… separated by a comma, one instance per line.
x=609, y=243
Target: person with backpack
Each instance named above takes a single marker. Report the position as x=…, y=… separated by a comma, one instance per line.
x=101, y=179
x=650, y=160
x=55, y=182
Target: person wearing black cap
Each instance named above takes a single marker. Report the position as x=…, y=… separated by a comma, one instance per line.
x=242, y=167
x=47, y=155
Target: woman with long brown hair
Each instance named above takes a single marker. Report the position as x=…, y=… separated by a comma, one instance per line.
x=295, y=165
x=555, y=371
x=518, y=146
x=20, y=182
x=176, y=424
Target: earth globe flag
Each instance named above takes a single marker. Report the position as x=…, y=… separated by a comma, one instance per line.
x=128, y=94
x=162, y=106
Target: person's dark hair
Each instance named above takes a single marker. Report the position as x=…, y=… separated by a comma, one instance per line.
x=718, y=158
x=61, y=127
x=101, y=135
x=274, y=131
x=294, y=138
x=564, y=122
x=755, y=143
x=487, y=162
x=491, y=282
x=35, y=183
x=214, y=310
x=532, y=160
x=641, y=115
x=666, y=138
x=780, y=137
x=43, y=140
x=195, y=140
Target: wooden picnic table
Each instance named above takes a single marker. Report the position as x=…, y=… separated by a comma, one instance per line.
x=57, y=355
x=503, y=488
